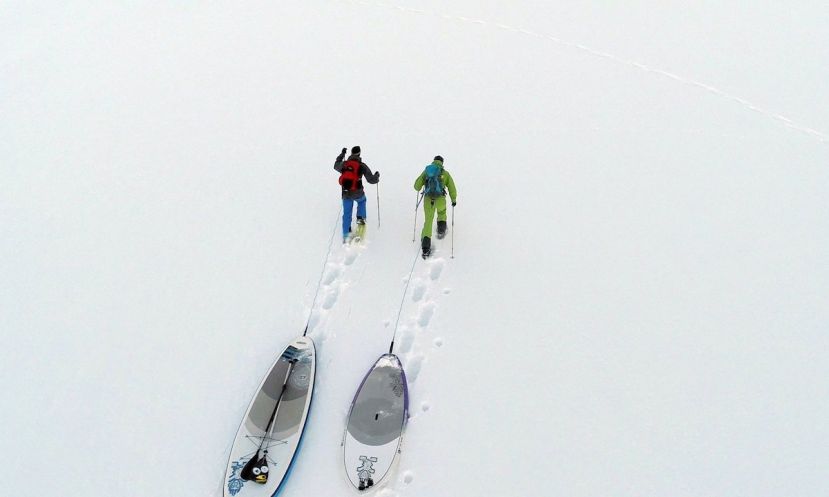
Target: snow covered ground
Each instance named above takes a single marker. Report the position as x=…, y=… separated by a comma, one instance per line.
x=638, y=302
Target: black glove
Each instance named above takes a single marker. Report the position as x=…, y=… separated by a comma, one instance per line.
x=377, y=175
x=342, y=154
x=454, y=203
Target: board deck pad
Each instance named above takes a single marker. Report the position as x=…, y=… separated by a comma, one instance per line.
x=376, y=423
x=296, y=367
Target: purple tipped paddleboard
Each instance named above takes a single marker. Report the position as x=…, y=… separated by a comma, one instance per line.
x=376, y=423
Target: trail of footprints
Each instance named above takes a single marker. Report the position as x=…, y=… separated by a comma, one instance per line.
x=332, y=287
x=416, y=341
x=416, y=344
x=424, y=292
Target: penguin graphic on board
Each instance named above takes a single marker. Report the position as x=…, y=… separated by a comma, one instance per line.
x=256, y=469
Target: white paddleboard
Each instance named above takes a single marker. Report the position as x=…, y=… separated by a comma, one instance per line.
x=376, y=422
x=290, y=384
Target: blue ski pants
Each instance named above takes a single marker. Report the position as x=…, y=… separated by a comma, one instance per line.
x=348, y=207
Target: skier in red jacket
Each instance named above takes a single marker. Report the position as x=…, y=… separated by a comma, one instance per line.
x=352, y=171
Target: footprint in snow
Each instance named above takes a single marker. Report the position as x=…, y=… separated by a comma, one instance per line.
x=426, y=313
x=413, y=368
x=331, y=298
x=406, y=342
x=419, y=291
x=350, y=256
x=408, y=477
x=436, y=269
x=313, y=321
x=332, y=275
x=438, y=342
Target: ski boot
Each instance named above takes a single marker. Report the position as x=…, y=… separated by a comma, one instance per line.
x=426, y=245
x=361, y=229
x=441, y=229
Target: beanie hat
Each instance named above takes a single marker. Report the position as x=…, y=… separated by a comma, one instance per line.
x=437, y=157
x=355, y=150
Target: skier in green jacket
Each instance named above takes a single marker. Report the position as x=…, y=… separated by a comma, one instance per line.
x=435, y=181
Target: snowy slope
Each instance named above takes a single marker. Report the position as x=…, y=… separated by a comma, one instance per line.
x=637, y=305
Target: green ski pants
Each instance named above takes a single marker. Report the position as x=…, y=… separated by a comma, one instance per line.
x=430, y=205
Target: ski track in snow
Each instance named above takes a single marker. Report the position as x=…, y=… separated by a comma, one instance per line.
x=789, y=123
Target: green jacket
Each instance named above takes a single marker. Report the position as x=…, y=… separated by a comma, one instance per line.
x=445, y=177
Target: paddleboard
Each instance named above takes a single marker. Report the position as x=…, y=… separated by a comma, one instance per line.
x=376, y=421
x=269, y=437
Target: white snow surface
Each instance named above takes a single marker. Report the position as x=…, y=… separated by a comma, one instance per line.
x=638, y=299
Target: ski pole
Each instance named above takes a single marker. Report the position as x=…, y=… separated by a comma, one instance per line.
x=453, y=233
x=414, y=228
x=378, y=206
